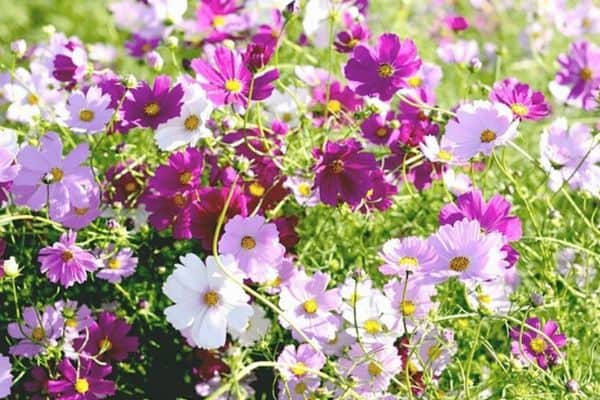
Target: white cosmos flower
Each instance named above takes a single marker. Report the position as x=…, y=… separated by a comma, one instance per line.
x=190, y=126
x=255, y=329
x=207, y=303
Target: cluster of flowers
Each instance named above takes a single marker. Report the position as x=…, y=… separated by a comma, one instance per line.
x=225, y=166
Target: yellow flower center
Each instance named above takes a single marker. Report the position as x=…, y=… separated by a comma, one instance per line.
x=211, y=298
x=414, y=81
x=81, y=211
x=385, y=70
x=459, y=264
x=146, y=47
x=538, y=345
x=286, y=117
x=152, y=109
x=233, y=85
x=114, y=263
x=38, y=334
x=337, y=166
x=32, y=99
x=105, y=344
x=248, y=243
x=71, y=323
x=374, y=369
x=434, y=352
x=179, y=200
x=381, y=132
x=409, y=261
x=130, y=187
x=519, y=109
x=185, y=178
x=218, y=21
x=408, y=308
x=86, y=115
x=310, y=306
x=82, y=386
x=352, y=43
x=67, y=256
x=372, y=326
x=256, y=189
x=444, y=155
x=304, y=189
x=299, y=369
x=334, y=106
x=191, y=123
x=57, y=174
x=586, y=74
x=487, y=136
x=484, y=299
x=300, y=387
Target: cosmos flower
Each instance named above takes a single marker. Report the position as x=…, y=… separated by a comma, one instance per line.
x=532, y=348
x=190, y=125
x=579, y=74
x=87, y=382
x=410, y=302
x=170, y=211
x=346, y=41
x=117, y=265
x=149, y=107
x=522, y=100
x=381, y=129
x=181, y=174
x=257, y=327
x=79, y=217
x=480, y=126
x=254, y=244
x=5, y=376
x=66, y=263
x=342, y=172
x=298, y=363
x=435, y=349
x=37, y=385
x=89, y=112
x=459, y=52
x=367, y=318
x=383, y=70
x=223, y=303
x=227, y=80
x=410, y=254
x=138, y=46
x=36, y=332
x=108, y=339
x=303, y=190
x=441, y=151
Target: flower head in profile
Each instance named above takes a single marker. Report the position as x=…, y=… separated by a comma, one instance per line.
x=89, y=112
x=532, y=348
x=382, y=70
x=410, y=254
x=149, y=107
x=88, y=382
x=524, y=102
x=255, y=245
x=207, y=303
x=36, y=332
x=66, y=263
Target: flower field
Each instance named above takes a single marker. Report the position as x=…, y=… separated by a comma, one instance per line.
x=309, y=199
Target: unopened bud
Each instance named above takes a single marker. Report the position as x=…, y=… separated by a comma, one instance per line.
x=19, y=47
x=154, y=60
x=11, y=268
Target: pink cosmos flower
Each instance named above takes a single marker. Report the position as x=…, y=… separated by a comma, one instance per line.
x=117, y=265
x=410, y=254
x=532, y=348
x=84, y=383
x=372, y=369
x=522, y=100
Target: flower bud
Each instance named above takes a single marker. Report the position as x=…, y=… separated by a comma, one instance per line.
x=19, y=47
x=475, y=64
x=11, y=268
x=172, y=42
x=572, y=386
x=154, y=60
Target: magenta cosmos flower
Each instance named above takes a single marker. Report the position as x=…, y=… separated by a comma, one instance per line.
x=36, y=332
x=109, y=339
x=579, y=74
x=149, y=107
x=410, y=254
x=381, y=129
x=87, y=382
x=532, y=348
x=255, y=245
x=382, y=70
x=181, y=174
x=522, y=100
x=343, y=172
x=65, y=262
x=227, y=80
x=45, y=175
x=308, y=303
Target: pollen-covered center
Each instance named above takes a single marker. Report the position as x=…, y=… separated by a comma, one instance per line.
x=191, y=123
x=67, y=256
x=80, y=211
x=38, y=334
x=414, y=81
x=444, y=155
x=304, y=189
x=381, y=132
x=114, y=263
x=538, y=345
x=185, y=178
x=233, y=85
x=374, y=369
x=32, y=99
x=408, y=308
x=152, y=109
x=385, y=70
x=248, y=243
x=56, y=174
x=86, y=115
x=487, y=136
x=299, y=369
x=211, y=298
x=409, y=261
x=256, y=189
x=586, y=74
x=300, y=388
x=218, y=21
x=179, y=200
x=459, y=264
x=337, y=166
x=434, y=352
x=311, y=306
x=372, y=326
x=519, y=109
x=334, y=106
x=82, y=386
x=105, y=344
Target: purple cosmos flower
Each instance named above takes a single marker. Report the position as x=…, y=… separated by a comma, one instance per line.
x=109, y=339
x=77, y=318
x=255, y=245
x=5, y=376
x=45, y=175
x=522, y=100
x=343, y=172
x=409, y=254
x=182, y=174
x=532, y=348
x=436, y=348
x=309, y=304
x=65, y=262
x=87, y=382
x=464, y=251
x=379, y=197
x=70, y=66
x=297, y=364
x=36, y=332
x=383, y=70
x=149, y=107
x=480, y=127
x=170, y=211
x=381, y=129
x=80, y=217
x=117, y=265
x=347, y=40
x=372, y=369
x=227, y=80
x=89, y=112
x=578, y=76
x=339, y=101
x=138, y=46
